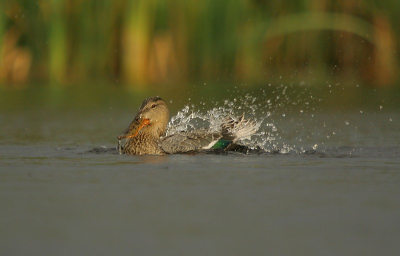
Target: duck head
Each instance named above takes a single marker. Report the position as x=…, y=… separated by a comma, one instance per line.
x=152, y=118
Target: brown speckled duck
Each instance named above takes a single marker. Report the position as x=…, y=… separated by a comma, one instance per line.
x=146, y=133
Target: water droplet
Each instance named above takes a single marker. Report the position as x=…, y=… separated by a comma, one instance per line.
x=380, y=107
x=347, y=122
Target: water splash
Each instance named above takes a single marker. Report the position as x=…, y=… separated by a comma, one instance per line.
x=263, y=109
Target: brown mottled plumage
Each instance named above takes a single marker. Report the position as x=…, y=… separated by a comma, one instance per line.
x=145, y=135
x=147, y=139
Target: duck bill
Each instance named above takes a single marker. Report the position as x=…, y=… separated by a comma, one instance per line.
x=134, y=128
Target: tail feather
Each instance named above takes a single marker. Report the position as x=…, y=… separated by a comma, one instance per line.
x=234, y=129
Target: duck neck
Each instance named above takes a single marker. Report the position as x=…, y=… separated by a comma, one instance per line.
x=155, y=131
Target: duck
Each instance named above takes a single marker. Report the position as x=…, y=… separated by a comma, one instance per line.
x=146, y=135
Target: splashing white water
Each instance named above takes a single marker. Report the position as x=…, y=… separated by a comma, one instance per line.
x=259, y=109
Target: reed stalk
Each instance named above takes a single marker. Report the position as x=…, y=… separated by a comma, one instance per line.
x=141, y=42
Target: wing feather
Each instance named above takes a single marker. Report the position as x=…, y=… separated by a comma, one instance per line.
x=189, y=141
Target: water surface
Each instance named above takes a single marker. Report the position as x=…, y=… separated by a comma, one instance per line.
x=64, y=189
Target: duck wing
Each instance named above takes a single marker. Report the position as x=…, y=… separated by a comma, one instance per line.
x=189, y=141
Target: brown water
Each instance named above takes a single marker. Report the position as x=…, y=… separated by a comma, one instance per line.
x=64, y=189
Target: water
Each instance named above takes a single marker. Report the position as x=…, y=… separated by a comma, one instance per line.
x=326, y=183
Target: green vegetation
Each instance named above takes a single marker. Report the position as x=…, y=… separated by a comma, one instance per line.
x=142, y=42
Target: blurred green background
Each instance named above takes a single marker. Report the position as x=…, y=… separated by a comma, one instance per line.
x=144, y=43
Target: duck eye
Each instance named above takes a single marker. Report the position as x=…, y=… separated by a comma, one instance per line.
x=153, y=106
